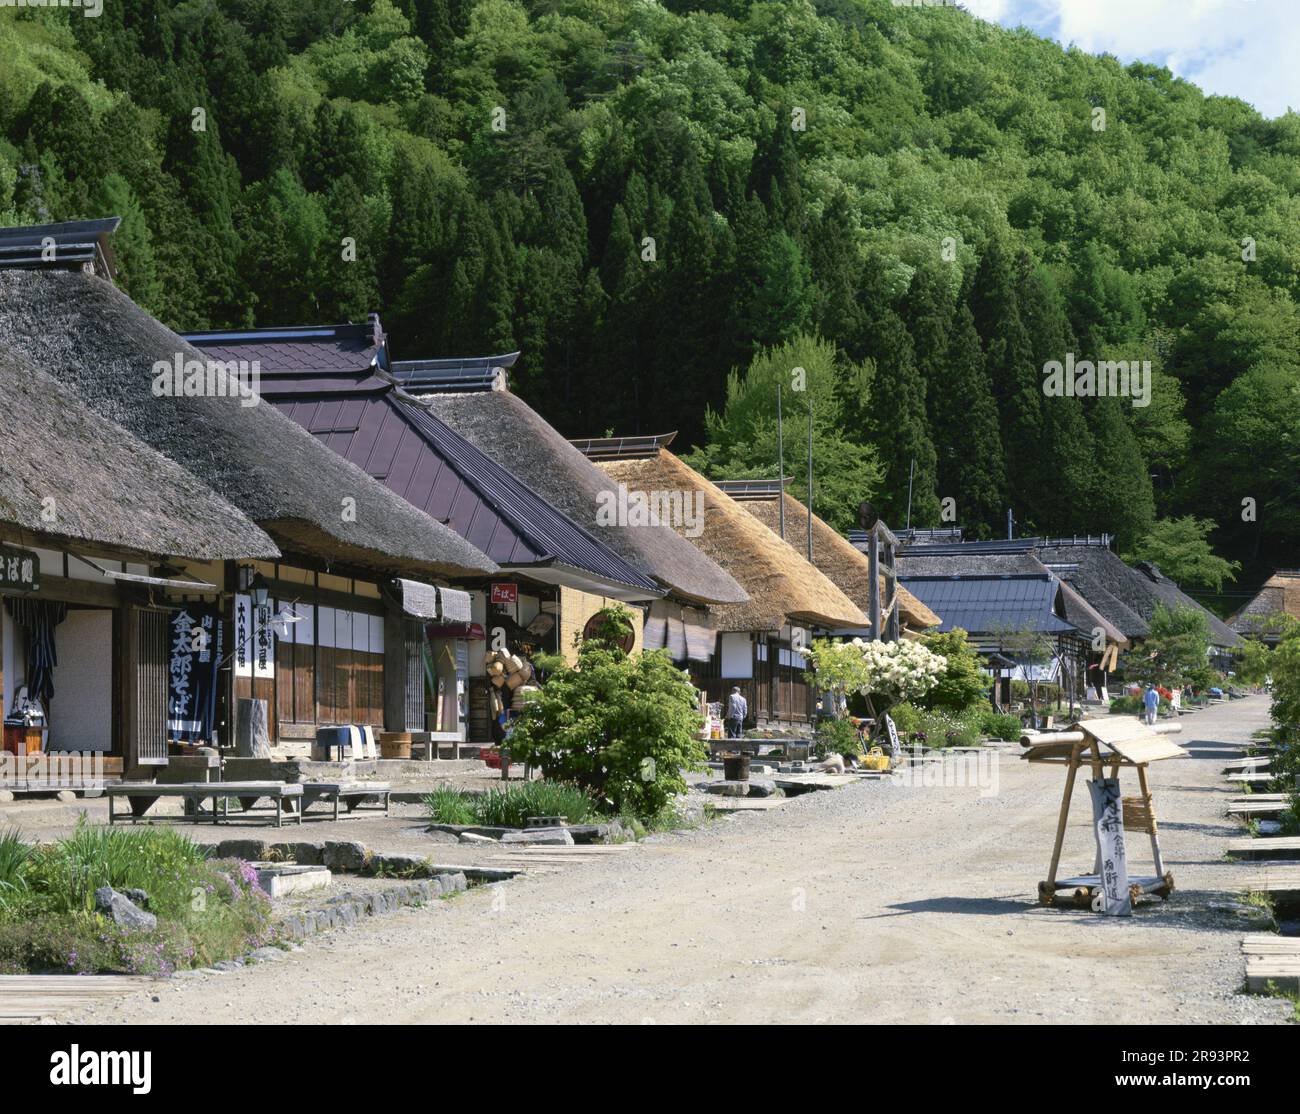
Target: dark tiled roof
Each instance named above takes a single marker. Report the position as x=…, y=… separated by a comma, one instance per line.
x=297, y=348
x=395, y=439
x=988, y=604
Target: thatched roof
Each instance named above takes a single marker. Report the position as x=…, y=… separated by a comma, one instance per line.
x=1279, y=595
x=109, y=488
x=506, y=428
x=100, y=344
x=846, y=566
x=1126, y=595
x=782, y=585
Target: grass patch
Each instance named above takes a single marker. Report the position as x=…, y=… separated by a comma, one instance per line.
x=449, y=805
x=510, y=807
x=207, y=909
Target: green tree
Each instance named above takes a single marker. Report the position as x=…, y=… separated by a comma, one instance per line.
x=1181, y=547
x=962, y=685
x=742, y=440
x=1178, y=645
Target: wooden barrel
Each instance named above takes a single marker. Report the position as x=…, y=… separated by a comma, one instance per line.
x=395, y=744
x=735, y=767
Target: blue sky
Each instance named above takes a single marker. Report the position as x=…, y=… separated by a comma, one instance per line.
x=1238, y=48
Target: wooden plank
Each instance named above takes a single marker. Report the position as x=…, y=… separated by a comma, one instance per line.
x=29, y=997
x=748, y=804
x=1268, y=943
x=827, y=781
x=1265, y=847
x=1265, y=974
x=1276, y=882
x=1257, y=808
x=1146, y=750
x=1238, y=764
x=577, y=849
x=1249, y=778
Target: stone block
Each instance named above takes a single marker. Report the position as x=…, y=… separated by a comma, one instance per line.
x=344, y=855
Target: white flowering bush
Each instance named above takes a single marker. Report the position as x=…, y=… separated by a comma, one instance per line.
x=888, y=671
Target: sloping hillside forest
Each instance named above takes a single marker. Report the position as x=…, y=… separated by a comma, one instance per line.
x=900, y=214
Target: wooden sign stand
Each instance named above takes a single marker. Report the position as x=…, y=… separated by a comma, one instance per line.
x=1114, y=742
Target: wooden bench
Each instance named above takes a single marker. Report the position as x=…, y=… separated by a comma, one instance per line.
x=351, y=793
x=142, y=795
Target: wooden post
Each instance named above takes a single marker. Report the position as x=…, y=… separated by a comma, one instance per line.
x=394, y=670
x=873, y=573
x=1151, y=812
x=129, y=692
x=1071, y=771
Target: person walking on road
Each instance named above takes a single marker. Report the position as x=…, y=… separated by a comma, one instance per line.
x=1150, y=701
x=737, y=710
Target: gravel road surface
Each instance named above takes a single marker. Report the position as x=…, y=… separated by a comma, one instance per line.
x=881, y=902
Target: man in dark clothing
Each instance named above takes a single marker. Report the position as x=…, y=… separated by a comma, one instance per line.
x=737, y=710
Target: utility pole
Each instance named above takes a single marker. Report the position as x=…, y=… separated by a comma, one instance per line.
x=780, y=462
x=911, y=474
x=810, y=482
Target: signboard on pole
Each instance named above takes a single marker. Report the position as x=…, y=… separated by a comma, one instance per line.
x=1112, y=863
x=895, y=750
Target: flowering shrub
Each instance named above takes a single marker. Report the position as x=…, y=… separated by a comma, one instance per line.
x=888, y=671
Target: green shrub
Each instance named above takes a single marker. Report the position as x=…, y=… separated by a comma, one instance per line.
x=1000, y=725
x=622, y=727
x=962, y=686
x=1126, y=706
x=64, y=876
x=939, y=727
x=906, y=717
x=14, y=854
x=836, y=736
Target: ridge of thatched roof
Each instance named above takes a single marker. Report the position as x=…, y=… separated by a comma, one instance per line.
x=782, y=585
x=845, y=565
x=109, y=488
x=506, y=428
x=97, y=342
x=1278, y=595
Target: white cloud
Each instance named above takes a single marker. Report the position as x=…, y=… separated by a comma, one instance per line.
x=1236, y=48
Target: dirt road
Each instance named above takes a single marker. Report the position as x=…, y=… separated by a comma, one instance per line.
x=881, y=903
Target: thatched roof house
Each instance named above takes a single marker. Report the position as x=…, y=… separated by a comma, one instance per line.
x=109, y=489
x=1126, y=595
x=331, y=381
x=103, y=347
x=782, y=586
x=846, y=566
x=470, y=396
x=1280, y=595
